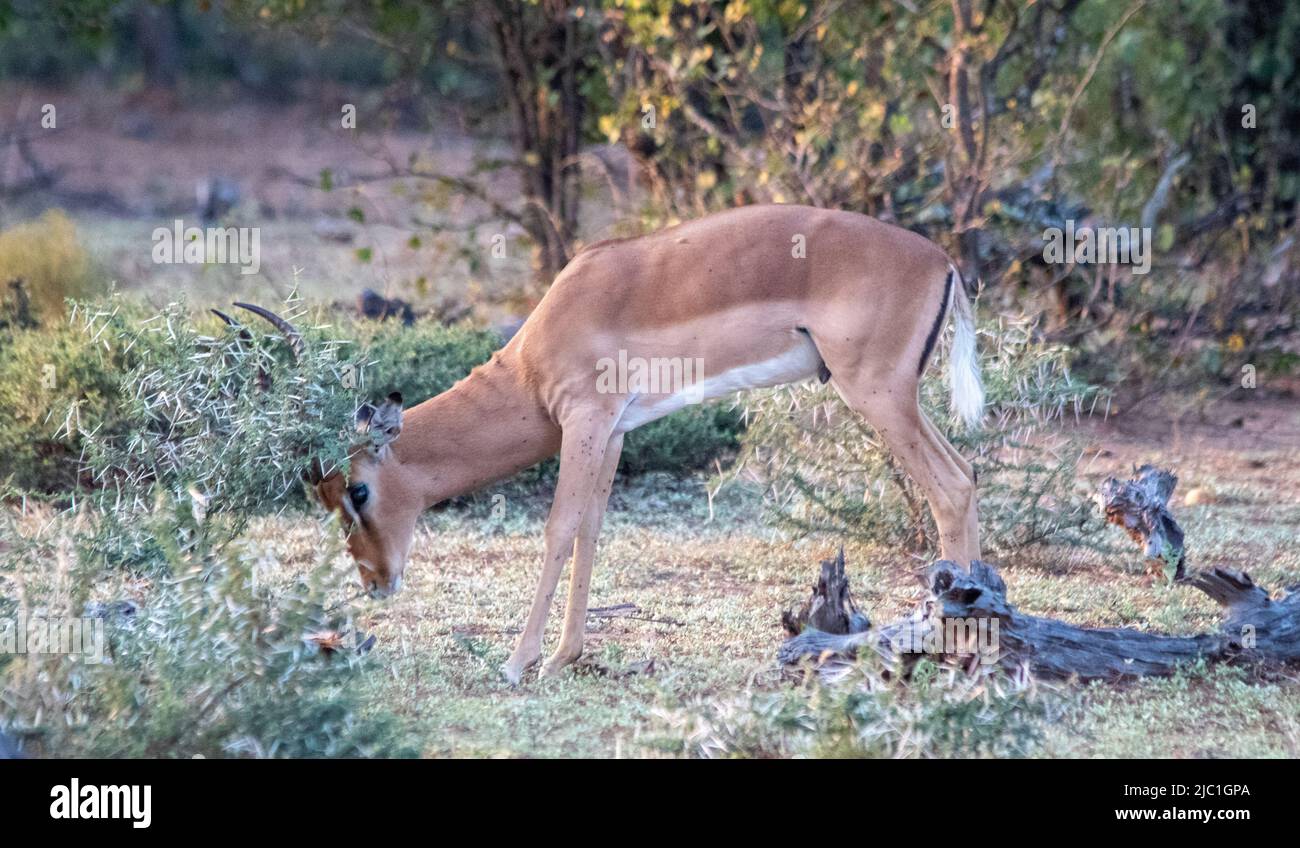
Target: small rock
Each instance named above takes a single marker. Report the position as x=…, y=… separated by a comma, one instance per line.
x=375, y=306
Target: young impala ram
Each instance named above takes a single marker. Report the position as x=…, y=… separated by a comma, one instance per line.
x=757, y=296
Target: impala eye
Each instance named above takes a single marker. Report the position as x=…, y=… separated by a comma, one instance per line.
x=358, y=494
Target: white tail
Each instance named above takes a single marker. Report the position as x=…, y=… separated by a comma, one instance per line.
x=963, y=364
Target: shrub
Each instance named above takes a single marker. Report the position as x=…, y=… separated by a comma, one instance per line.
x=824, y=469
x=689, y=439
x=212, y=427
x=58, y=382
x=39, y=452
x=102, y=370
x=421, y=360
x=47, y=256
x=224, y=659
x=221, y=423
x=939, y=712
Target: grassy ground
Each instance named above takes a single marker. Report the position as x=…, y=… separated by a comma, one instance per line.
x=713, y=590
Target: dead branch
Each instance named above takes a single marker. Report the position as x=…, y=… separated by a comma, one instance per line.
x=632, y=612
x=830, y=608
x=967, y=619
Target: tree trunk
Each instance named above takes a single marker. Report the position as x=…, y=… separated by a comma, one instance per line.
x=541, y=58
x=157, y=32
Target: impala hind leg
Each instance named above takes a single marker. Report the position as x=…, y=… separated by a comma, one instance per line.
x=942, y=475
x=584, y=558
x=582, y=455
x=972, y=512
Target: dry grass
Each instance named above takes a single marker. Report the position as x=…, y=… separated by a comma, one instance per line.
x=50, y=260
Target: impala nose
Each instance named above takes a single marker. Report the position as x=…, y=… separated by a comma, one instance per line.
x=377, y=590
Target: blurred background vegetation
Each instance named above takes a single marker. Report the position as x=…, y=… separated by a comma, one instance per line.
x=979, y=124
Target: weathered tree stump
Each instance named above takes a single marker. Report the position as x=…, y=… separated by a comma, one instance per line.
x=1141, y=507
x=830, y=608
x=967, y=619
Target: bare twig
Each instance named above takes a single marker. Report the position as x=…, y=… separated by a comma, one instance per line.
x=1090, y=73
x=631, y=611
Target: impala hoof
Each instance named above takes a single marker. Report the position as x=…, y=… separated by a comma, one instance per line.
x=558, y=663
x=549, y=670
x=513, y=671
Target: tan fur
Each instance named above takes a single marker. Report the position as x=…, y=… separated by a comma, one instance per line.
x=725, y=290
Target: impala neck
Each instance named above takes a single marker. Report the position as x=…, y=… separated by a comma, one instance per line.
x=485, y=428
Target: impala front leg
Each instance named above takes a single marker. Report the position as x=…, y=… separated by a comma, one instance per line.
x=584, y=558
x=582, y=454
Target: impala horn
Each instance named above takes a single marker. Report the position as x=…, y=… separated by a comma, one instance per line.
x=314, y=472
x=231, y=322
x=290, y=333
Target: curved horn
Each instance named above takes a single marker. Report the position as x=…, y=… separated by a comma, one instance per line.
x=291, y=334
x=314, y=473
x=231, y=322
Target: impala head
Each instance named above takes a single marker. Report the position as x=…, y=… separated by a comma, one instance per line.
x=376, y=501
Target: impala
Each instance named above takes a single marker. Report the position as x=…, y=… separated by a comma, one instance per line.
x=756, y=296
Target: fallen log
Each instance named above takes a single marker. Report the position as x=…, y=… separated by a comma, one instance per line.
x=968, y=620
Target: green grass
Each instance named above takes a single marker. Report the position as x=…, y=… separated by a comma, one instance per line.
x=1221, y=712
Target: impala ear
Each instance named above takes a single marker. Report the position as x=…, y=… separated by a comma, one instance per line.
x=364, y=413
x=382, y=423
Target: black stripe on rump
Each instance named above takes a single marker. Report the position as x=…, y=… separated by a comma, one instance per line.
x=938, y=325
